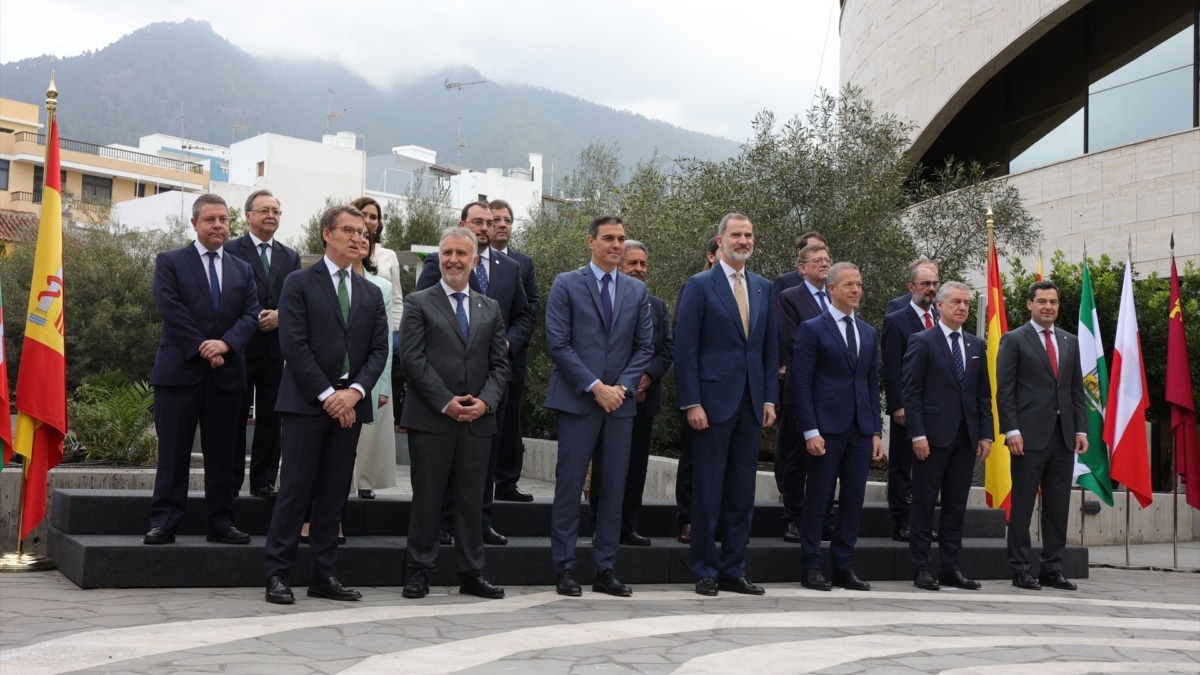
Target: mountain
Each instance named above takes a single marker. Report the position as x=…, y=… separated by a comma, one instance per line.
x=137, y=85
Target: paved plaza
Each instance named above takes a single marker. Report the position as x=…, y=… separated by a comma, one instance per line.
x=1119, y=621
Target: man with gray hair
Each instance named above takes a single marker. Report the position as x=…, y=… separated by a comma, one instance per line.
x=454, y=355
x=948, y=407
x=635, y=263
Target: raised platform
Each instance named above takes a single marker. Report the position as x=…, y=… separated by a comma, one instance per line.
x=95, y=537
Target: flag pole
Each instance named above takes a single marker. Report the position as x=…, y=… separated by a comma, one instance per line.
x=1128, y=506
x=1174, y=466
x=19, y=561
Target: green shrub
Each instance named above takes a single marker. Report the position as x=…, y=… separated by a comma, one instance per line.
x=113, y=422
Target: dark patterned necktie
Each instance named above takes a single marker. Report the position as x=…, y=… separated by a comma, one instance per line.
x=461, y=314
x=1051, y=352
x=481, y=275
x=265, y=260
x=851, y=341
x=214, y=285
x=956, y=353
x=606, y=299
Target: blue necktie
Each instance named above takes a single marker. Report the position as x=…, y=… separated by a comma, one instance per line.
x=461, y=313
x=606, y=299
x=851, y=342
x=213, y=284
x=821, y=298
x=481, y=275
x=956, y=352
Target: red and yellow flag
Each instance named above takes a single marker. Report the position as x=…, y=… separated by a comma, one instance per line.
x=997, y=481
x=1179, y=396
x=42, y=379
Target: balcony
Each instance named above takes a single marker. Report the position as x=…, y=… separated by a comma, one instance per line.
x=114, y=153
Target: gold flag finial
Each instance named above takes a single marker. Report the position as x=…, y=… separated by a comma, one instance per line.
x=52, y=94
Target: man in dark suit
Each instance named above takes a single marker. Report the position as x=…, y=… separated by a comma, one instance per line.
x=797, y=305
x=207, y=303
x=835, y=374
x=598, y=333
x=649, y=402
x=511, y=454
x=334, y=335
x=896, y=304
x=455, y=364
x=793, y=278
x=727, y=382
x=683, y=469
x=918, y=315
x=1039, y=395
x=498, y=277
x=948, y=401
x=271, y=262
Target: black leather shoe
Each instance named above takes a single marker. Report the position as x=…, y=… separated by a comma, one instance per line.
x=706, y=586
x=740, y=585
x=230, y=536
x=567, y=584
x=331, y=589
x=685, y=534
x=515, y=494
x=157, y=536
x=814, y=580
x=634, y=539
x=478, y=586
x=1025, y=580
x=925, y=581
x=956, y=579
x=1056, y=580
x=264, y=492
x=848, y=580
x=493, y=538
x=445, y=538
x=366, y=494
x=278, y=592
x=792, y=536
x=607, y=583
x=900, y=533
x=417, y=586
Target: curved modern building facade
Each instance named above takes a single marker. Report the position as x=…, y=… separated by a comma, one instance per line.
x=1092, y=109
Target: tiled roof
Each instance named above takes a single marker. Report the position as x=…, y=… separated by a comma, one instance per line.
x=14, y=225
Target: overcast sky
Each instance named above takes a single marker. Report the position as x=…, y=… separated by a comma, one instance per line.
x=703, y=65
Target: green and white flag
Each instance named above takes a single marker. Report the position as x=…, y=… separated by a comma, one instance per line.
x=1091, y=469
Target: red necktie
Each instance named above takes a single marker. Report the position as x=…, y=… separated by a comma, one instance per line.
x=928, y=320
x=1050, y=351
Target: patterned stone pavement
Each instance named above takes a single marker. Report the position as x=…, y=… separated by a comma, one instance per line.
x=1119, y=621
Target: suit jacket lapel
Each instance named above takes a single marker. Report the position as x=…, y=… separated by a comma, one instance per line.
x=948, y=355
x=725, y=294
x=1035, y=339
x=835, y=329
x=754, y=299
x=593, y=289
x=808, y=299
x=254, y=256
x=327, y=288
x=199, y=270
x=474, y=319
x=617, y=298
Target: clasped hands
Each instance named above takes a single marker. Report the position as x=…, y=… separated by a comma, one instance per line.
x=466, y=408
x=213, y=351
x=340, y=406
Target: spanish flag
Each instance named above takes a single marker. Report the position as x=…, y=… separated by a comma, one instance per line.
x=42, y=379
x=997, y=480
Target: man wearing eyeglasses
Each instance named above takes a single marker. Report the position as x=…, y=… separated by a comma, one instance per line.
x=797, y=305
x=498, y=277
x=334, y=336
x=272, y=262
x=918, y=314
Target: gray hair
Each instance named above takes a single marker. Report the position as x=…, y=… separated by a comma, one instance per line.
x=944, y=289
x=208, y=198
x=634, y=243
x=918, y=264
x=255, y=195
x=725, y=221
x=836, y=271
x=456, y=231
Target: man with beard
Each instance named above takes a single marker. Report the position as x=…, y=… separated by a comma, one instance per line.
x=727, y=382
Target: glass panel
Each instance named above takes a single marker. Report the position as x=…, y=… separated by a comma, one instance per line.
x=1063, y=142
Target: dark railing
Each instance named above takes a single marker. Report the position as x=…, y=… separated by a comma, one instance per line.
x=115, y=153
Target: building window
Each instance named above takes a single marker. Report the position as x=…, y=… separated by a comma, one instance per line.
x=140, y=191
x=96, y=189
x=262, y=169
x=3, y=174
x=482, y=198
x=39, y=176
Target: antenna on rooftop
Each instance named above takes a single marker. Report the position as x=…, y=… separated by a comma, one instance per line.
x=459, y=86
x=330, y=113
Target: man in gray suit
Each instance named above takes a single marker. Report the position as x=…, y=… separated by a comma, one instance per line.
x=454, y=355
x=1039, y=395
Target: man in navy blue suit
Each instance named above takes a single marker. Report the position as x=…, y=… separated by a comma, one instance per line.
x=919, y=314
x=335, y=338
x=835, y=375
x=727, y=383
x=793, y=278
x=797, y=305
x=209, y=311
x=498, y=277
x=948, y=405
x=271, y=262
x=901, y=302
x=598, y=333
x=636, y=264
